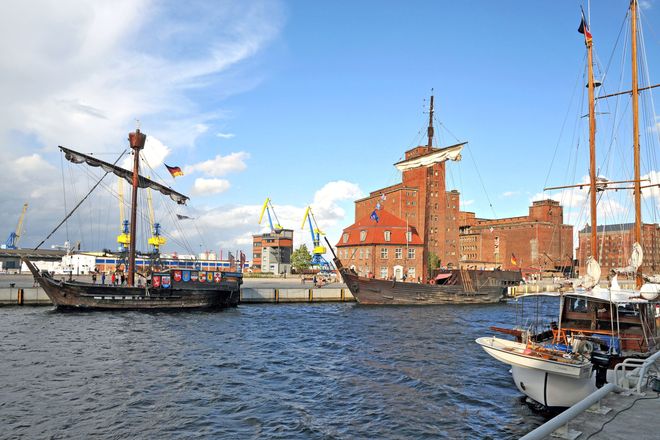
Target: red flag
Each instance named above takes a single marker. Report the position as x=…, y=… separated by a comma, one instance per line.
x=514, y=261
x=174, y=171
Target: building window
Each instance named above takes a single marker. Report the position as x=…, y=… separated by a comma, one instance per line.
x=411, y=253
x=383, y=253
x=363, y=235
x=368, y=253
x=383, y=272
x=361, y=254
x=388, y=235
x=408, y=236
x=398, y=253
x=345, y=238
x=411, y=273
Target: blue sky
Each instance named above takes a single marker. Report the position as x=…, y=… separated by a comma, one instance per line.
x=303, y=102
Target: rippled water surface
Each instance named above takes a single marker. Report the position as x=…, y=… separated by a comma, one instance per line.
x=257, y=371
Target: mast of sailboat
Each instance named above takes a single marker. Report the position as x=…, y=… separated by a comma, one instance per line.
x=592, y=139
x=635, y=110
x=429, y=130
x=136, y=140
x=425, y=249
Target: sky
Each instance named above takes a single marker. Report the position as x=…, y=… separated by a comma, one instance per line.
x=308, y=103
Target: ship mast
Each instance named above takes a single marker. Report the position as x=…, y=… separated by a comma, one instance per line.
x=635, y=109
x=429, y=130
x=136, y=140
x=592, y=144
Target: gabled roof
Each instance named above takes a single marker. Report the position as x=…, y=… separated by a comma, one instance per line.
x=375, y=231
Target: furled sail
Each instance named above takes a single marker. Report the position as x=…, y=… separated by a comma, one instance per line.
x=637, y=256
x=435, y=156
x=592, y=277
x=143, y=182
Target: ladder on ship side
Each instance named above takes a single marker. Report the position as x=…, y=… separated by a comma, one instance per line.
x=466, y=280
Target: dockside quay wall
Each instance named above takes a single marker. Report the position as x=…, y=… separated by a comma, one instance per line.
x=36, y=296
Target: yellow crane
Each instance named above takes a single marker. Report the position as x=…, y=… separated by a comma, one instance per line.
x=268, y=206
x=317, y=254
x=15, y=236
x=124, y=238
x=156, y=240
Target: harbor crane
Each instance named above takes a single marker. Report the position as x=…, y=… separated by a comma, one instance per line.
x=317, y=254
x=15, y=236
x=156, y=240
x=124, y=239
x=267, y=208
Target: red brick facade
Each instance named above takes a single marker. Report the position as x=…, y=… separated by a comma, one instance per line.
x=382, y=249
x=421, y=199
x=539, y=241
x=615, y=246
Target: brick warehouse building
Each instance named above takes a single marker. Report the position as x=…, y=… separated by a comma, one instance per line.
x=615, y=247
x=539, y=240
x=271, y=253
x=382, y=249
x=421, y=200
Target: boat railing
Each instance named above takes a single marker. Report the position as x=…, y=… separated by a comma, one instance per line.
x=560, y=422
x=632, y=372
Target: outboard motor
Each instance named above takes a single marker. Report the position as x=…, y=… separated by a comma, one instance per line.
x=601, y=362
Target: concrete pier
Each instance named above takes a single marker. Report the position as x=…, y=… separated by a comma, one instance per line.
x=19, y=290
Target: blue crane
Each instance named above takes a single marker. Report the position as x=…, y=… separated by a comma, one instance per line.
x=267, y=208
x=14, y=236
x=317, y=254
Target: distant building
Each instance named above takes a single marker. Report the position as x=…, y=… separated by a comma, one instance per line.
x=271, y=253
x=382, y=249
x=538, y=241
x=615, y=244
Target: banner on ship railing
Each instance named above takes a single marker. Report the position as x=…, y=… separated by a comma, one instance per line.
x=166, y=281
x=202, y=277
x=177, y=276
x=155, y=281
x=217, y=277
x=209, y=277
x=185, y=276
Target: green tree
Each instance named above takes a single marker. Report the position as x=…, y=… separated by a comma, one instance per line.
x=433, y=263
x=301, y=259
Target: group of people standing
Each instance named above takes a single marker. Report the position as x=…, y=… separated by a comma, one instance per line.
x=116, y=278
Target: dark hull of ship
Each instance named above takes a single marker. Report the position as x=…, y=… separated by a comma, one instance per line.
x=384, y=292
x=76, y=295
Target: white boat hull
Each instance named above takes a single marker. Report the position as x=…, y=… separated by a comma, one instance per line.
x=551, y=390
x=552, y=382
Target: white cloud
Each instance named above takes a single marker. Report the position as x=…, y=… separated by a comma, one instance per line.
x=510, y=193
x=232, y=227
x=205, y=187
x=225, y=135
x=466, y=203
x=79, y=73
x=325, y=206
x=221, y=165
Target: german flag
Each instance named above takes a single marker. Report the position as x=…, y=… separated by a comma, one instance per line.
x=584, y=29
x=174, y=171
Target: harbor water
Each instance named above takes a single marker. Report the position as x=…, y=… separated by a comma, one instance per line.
x=319, y=371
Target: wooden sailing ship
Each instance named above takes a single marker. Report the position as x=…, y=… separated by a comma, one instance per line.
x=458, y=286
x=164, y=290
x=598, y=329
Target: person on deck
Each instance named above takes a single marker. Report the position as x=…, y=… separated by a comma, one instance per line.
x=103, y=278
x=113, y=279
